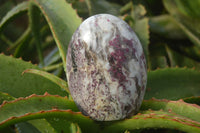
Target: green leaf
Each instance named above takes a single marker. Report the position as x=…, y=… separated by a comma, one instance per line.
x=158, y=62
x=23, y=37
x=6, y=40
x=173, y=83
x=52, y=57
x=16, y=85
x=189, y=8
x=166, y=26
x=141, y=28
x=190, y=51
x=46, y=106
x=8, y=130
x=25, y=127
x=75, y=128
x=155, y=119
x=34, y=104
x=42, y=125
x=60, y=125
x=34, y=19
x=60, y=82
x=189, y=25
x=5, y=97
x=177, y=59
x=12, y=14
x=52, y=67
x=194, y=100
x=62, y=20
x=180, y=107
x=103, y=6
x=22, y=46
x=85, y=123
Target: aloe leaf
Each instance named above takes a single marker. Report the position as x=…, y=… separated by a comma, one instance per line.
x=60, y=82
x=64, y=125
x=17, y=85
x=75, y=128
x=177, y=59
x=60, y=125
x=173, y=83
x=85, y=123
x=15, y=12
x=43, y=106
x=141, y=28
x=190, y=51
x=22, y=46
x=180, y=107
x=42, y=125
x=155, y=119
x=52, y=67
x=34, y=19
x=25, y=45
x=5, y=7
x=63, y=21
x=166, y=26
x=104, y=6
x=33, y=104
x=189, y=25
x=8, y=130
x=5, y=97
x=189, y=8
x=126, y=7
x=6, y=40
x=52, y=57
x=194, y=100
x=158, y=62
x=25, y=127
x=23, y=37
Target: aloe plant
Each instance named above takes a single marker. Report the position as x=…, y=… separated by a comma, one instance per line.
x=34, y=37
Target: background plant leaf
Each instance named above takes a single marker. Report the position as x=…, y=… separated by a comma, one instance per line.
x=189, y=25
x=140, y=26
x=34, y=19
x=25, y=127
x=103, y=6
x=42, y=125
x=173, y=83
x=12, y=14
x=178, y=59
x=166, y=26
x=63, y=22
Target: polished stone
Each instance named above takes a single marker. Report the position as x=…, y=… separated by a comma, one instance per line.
x=106, y=68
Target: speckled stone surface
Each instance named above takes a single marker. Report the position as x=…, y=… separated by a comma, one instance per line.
x=106, y=68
